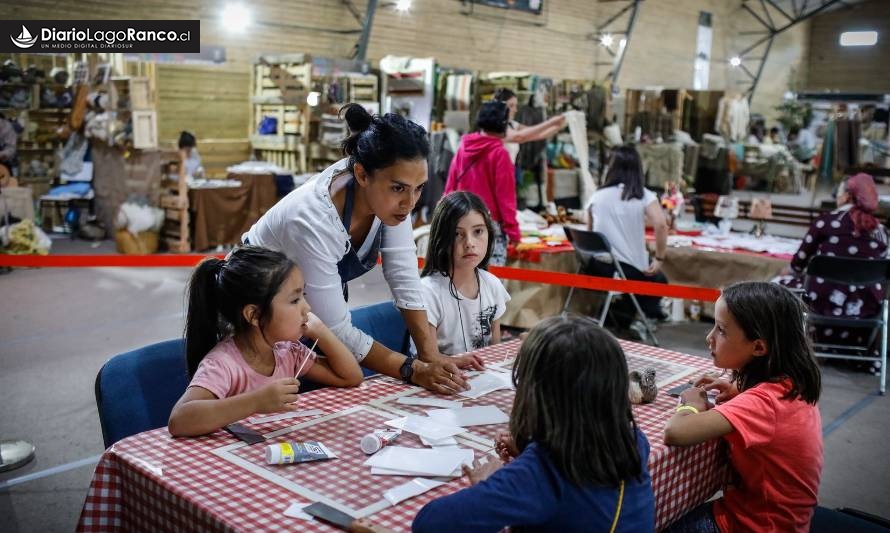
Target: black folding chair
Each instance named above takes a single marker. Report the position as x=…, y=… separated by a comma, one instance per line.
x=594, y=254
x=853, y=271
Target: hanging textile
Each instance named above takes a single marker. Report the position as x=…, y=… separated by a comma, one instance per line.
x=578, y=130
x=457, y=92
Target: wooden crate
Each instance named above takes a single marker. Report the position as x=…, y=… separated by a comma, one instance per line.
x=145, y=129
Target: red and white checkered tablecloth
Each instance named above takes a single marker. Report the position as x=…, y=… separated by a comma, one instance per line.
x=152, y=481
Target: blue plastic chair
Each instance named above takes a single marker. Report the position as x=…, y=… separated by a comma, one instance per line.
x=136, y=391
x=383, y=322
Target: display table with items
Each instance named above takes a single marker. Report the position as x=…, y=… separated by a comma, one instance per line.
x=222, y=210
x=152, y=481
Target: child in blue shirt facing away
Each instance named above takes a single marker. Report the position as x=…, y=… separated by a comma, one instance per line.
x=574, y=457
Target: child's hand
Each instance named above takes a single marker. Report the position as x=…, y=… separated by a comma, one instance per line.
x=315, y=327
x=280, y=395
x=726, y=390
x=696, y=397
x=470, y=361
x=480, y=472
x=505, y=447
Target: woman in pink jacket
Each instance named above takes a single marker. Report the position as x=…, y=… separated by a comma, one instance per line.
x=483, y=166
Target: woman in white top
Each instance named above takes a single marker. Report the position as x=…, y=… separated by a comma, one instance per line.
x=620, y=210
x=518, y=133
x=189, y=158
x=336, y=223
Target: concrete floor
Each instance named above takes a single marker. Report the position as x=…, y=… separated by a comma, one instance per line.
x=58, y=326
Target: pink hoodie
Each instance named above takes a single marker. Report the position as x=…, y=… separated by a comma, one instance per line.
x=483, y=166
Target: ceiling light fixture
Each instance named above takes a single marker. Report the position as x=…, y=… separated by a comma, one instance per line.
x=235, y=18
x=859, y=38
x=735, y=61
x=606, y=40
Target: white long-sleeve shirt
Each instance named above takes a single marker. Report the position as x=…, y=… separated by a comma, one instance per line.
x=305, y=226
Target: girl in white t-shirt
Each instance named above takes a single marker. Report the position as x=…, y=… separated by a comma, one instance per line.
x=464, y=301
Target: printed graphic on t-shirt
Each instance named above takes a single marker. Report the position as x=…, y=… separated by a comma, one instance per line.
x=482, y=327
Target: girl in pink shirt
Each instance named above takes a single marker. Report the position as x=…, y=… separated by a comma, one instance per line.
x=246, y=316
x=766, y=412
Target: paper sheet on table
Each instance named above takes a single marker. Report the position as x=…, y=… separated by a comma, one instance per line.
x=424, y=427
x=421, y=461
x=487, y=382
x=481, y=415
x=296, y=511
x=447, y=441
x=284, y=416
x=410, y=489
x=431, y=402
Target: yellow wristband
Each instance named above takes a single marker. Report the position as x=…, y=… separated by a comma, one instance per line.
x=689, y=408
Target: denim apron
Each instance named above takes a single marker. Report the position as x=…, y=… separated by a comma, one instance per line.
x=352, y=266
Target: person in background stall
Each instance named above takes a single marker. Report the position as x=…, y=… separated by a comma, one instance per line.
x=766, y=412
x=575, y=458
x=464, y=301
x=620, y=210
x=8, y=143
x=246, y=315
x=851, y=230
x=482, y=166
x=189, y=158
x=519, y=133
x=339, y=223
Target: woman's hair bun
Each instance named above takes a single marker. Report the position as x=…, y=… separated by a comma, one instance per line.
x=357, y=117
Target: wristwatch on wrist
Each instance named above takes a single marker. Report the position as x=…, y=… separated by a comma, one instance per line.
x=406, y=371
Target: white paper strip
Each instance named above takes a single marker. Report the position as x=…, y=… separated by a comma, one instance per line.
x=410, y=489
x=284, y=416
x=447, y=441
x=431, y=402
x=481, y=415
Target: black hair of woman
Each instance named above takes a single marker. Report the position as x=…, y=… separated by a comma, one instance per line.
x=377, y=141
x=443, y=231
x=187, y=140
x=626, y=167
x=771, y=312
x=571, y=399
x=493, y=117
x=219, y=290
x=502, y=94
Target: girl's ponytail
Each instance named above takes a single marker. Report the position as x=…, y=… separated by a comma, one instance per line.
x=202, y=320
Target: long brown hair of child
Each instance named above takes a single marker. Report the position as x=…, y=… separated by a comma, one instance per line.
x=220, y=289
x=773, y=313
x=443, y=232
x=571, y=399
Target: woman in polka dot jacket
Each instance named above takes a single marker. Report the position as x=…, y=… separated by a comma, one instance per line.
x=851, y=230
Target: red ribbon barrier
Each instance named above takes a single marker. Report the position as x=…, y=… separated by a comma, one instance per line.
x=579, y=281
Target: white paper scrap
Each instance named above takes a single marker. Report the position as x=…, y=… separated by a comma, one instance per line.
x=481, y=415
x=467, y=460
x=447, y=441
x=410, y=489
x=284, y=416
x=296, y=511
x=487, y=382
x=431, y=402
x=421, y=461
x=424, y=426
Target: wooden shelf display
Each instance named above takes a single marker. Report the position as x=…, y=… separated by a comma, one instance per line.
x=280, y=114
